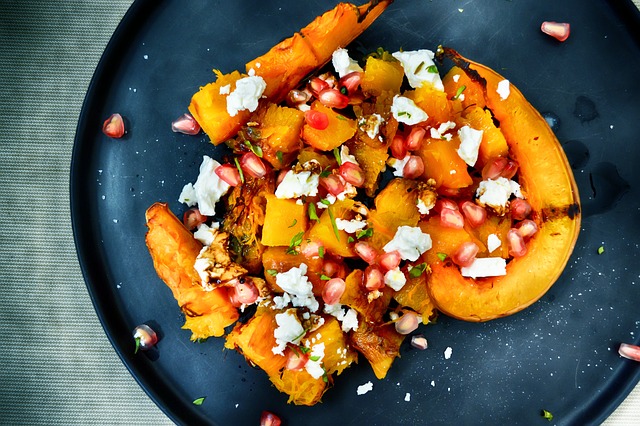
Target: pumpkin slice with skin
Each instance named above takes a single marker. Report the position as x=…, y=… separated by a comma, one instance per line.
x=547, y=181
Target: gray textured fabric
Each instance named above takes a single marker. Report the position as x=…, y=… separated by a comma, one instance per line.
x=57, y=367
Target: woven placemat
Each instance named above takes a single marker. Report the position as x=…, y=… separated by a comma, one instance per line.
x=56, y=365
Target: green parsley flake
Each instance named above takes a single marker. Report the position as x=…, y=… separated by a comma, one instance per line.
x=365, y=233
x=417, y=270
x=279, y=156
x=336, y=153
x=325, y=202
x=547, y=415
x=323, y=277
x=239, y=169
x=137, y=346
x=272, y=272
x=314, y=358
x=442, y=256
x=333, y=224
x=296, y=240
x=255, y=149
x=313, y=215
x=600, y=249
x=321, y=252
x=459, y=92
x=350, y=239
x=198, y=401
x=293, y=223
x=433, y=69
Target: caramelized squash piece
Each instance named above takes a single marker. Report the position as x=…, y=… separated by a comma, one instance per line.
x=284, y=219
x=380, y=345
x=414, y=295
x=442, y=163
x=339, y=130
x=434, y=102
x=382, y=75
x=333, y=240
x=493, y=142
x=396, y=205
x=277, y=259
x=279, y=133
x=355, y=296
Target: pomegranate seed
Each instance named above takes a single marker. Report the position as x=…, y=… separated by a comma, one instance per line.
x=494, y=167
x=281, y=176
x=444, y=203
x=407, y=323
x=451, y=219
x=317, y=85
x=332, y=98
x=333, y=184
x=628, y=351
x=398, y=149
x=145, y=337
x=316, y=119
x=297, y=97
x=331, y=268
x=517, y=246
x=229, y=174
x=192, y=218
x=373, y=278
x=419, y=342
x=527, y=228
x=558, y=30
x=466, y=254
x=310, y=248
x=510, y=169
x=475, y=214
x=413, y=168
x=267, y=418
x=252, y=165
x=333, y=291
x=352, y=173
x=185, y=124
x=520, y=209
x=366, y=252
x=415, y=138
x=390, y=260
x=351, y=82
x=244, y=292
x=113, y=126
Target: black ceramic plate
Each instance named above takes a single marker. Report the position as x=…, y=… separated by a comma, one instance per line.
x=559, y=355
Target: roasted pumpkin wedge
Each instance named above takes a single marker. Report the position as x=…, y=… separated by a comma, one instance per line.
x=546, y=178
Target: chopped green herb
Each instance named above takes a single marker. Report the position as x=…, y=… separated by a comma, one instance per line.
x=333, y=224
x=293, y=223
x=325, y=202
x=459, y=92
x=336, y=153
x=326, y=172
x=321, y=252
x=255, y=149
x=417, y=270
x=325, y=376
x=402, y=113
x=341, y=117
x=296, y=240
x=323, y=277
x=442, y=256
x=312, y=212
x=547, y=415
x=344, y=90
x=304, y=349
x=137, y=346
x=419, y=67
x=600, y=249
x=272, y=272
x=433, y=69
x=365, y=233
x=299, y=336
x=198, y=401
x=239, y=169
x=350, y=239
x=279, y=156
x=314, y=358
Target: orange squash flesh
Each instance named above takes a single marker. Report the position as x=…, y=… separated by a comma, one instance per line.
x=547, y=182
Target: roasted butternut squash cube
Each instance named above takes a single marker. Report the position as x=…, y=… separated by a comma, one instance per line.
x=493, y=142
x=497, y=225
x=372, y=160
x=434, y=102
x=338, y=355
x=414, y=295
x=380, y=345
x=445, y=240
x=279, y=131
x=355, y=296
x=457, y=82
x=277, y=259
x=443, y=164
x=339, y=130
x=382, y=75
x=284, y=219
x=325, y=231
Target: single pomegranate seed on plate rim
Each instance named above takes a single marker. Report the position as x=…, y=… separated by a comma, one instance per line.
x=558, y=30
x=407, y=323
x=629, y=351
x=113, y=126
x=185, y=124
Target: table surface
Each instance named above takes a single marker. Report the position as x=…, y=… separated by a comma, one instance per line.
x=57, y=365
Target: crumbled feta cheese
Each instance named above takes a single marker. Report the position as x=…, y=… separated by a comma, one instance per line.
x=406, y=111
x=296, y=185
x=348, y=318
x=448, y=352
x=246, y=95
x=439, y=133
x=407, y=397
x=418, y=66
x=207, y=190
x=345, y=157
x=225, y=90
x=296, y=283
x=503, y=89
x=470, y=139
x=205, y=233
x=350, y=226
x=395, y=279
x=485, y=267
x=456, y=78
x=342, y=63
x=362, y=389
x=493, y=242
x=371, y=125
x=410, y=241
x=422, y=207
x=398, y=165
x=251, y=72
x=314, y=364
x=496, y=193
x=281, y=302
x=289, y=330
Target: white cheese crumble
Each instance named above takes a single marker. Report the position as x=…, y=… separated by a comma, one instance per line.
x=440, y=132
x=395, y=279
x=207, y=190
x=418, y=66
x=485, y=267
x=496, y=193
x=362, y=389
x=410, y=242
x=342, y=63
x=371, y=125
x=205, y=234
x=225, y=90
x=407, y=397
x=470, y=139
x=456, y=78
x=406, y=111
x=398, y=165
x=297, y=285
x=296, y=185
x=345, y=157
x=348, y=318
x=246, y=95
x=493, y=242
x=350, y=226
x=289, y=330
x=503, y=89
x=448, y=352
x=314, y=364
x=422, y=207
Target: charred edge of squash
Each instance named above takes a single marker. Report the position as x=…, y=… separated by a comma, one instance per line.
x=188, y=312
x=372, y=5
x=447, y=52
x=572, y=211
